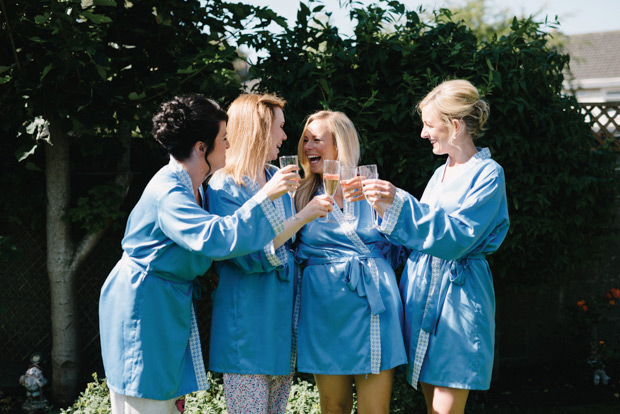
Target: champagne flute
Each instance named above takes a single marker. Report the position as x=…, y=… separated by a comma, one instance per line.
x=346, y=173
x=290, y=160
x=369, y=172
x=331, y=179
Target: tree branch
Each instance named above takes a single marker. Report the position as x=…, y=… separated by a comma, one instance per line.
x=8, y=26
x=84, y=247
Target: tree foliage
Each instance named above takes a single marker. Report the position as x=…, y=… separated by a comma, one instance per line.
x=84, y=80
x=485, y=21
x=557, y=185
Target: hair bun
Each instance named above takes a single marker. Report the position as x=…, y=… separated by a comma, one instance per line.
x=483, y=113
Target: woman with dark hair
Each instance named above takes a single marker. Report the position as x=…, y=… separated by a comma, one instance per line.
x=149, y=338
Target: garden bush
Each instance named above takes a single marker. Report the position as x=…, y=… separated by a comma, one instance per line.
x=559, y=189
x=303, y=399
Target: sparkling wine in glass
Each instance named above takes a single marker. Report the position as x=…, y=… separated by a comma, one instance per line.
x=347, y=173
x=284, y=161
x=331, y=179
x=369, y=172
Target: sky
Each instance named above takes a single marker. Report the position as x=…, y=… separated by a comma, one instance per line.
x=575, y=16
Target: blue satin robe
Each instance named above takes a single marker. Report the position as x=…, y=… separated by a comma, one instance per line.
x=145, y=310
x=447, y=287
x=252, y=321
x=349, y=322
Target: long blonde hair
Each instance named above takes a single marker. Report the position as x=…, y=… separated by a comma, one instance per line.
x=347, y=145
x=250, y=118
x=457, y=99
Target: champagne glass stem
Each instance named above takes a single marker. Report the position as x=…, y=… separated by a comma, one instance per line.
x=292, y=197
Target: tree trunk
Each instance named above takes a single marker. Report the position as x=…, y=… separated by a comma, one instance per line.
x=61, y=273
x=64, y=258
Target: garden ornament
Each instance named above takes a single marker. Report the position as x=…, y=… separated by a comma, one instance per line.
x=34, y=381
x=600, y=376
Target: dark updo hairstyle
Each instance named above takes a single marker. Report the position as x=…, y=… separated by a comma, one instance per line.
x=184, y=120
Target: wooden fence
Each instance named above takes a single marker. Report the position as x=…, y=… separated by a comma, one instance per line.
x=605, y=121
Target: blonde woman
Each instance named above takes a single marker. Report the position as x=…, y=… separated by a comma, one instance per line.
x=350, y=321
x=252, y=322
x=461, y=218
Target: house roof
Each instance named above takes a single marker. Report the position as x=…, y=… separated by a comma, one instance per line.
x=594, y=55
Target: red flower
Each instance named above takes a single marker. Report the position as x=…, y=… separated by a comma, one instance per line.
x=615, y=293
x=581, y=303
x=612, y=302
x=585, y=308
x=608, y=296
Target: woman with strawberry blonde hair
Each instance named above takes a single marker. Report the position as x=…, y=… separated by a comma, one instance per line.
x=253, y=304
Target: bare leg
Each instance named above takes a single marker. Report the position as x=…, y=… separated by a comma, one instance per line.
x=428, y=390
x=374, y=392
x=443, y=400
x=336, y=393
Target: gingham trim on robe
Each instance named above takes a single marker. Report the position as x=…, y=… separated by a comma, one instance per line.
x=375, y=322
x=390, y=217
x=296, y=311
x=195, y=348
x=276, y=216
x=196, y=352
x=424, y=338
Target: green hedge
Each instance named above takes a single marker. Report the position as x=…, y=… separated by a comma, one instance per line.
x=559, y=189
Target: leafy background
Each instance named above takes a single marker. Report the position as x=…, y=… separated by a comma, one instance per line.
x=98, y=71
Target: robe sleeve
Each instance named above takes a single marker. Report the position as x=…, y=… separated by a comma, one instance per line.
x=445, y=235
x=246, y=229
x=225, y=197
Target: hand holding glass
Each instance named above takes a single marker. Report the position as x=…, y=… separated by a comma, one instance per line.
x=290, y=160
x=331, y=179
x=369, y=172
x=347, y=173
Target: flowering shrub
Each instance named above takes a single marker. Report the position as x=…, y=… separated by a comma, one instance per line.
x=595, y=321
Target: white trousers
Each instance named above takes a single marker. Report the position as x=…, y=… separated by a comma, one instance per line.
x=123, y=404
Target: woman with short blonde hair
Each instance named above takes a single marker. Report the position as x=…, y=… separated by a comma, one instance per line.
x=461, y=218
x=252, y=321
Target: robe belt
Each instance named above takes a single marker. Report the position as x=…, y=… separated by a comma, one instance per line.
x=282, y=272
x=459, y=269
x=289, y=256
x=360, y=281
x=196, y=287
